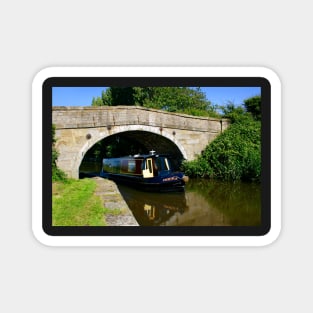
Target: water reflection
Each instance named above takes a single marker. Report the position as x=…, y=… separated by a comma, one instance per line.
x=204, y=203
x=238, y=204
x=153, y=209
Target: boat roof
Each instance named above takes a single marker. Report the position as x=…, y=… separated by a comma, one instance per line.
x=149, y=155
x=141, y=156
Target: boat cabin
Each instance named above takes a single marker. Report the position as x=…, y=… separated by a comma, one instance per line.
x=148, y=171
x=147, y=166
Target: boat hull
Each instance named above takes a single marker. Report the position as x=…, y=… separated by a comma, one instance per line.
x=167, y=183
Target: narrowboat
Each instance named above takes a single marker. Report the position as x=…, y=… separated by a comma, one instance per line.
x=149, y=172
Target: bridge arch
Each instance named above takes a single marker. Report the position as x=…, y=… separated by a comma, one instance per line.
x=152, y=138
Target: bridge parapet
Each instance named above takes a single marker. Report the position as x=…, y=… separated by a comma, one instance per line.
x=89, y=117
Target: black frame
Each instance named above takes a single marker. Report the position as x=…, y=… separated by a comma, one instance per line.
x=261, y=230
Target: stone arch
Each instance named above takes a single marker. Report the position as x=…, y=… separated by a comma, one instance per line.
x=97, y=136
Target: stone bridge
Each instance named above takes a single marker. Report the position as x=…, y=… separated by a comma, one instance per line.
x=79, y=128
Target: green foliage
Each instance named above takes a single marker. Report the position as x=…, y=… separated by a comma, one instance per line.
x=106, y=97
x=253, y=106
x=172, y=99
x=177, y=99
x=97, y=101
x=197, y=168
x=235, y=114
x=233, y=155
x=122, y=96
x=57, y=174
x=53, y=134
x=143, y=94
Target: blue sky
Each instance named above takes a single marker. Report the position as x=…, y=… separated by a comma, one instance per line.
x=82, y=96
x=224, y=95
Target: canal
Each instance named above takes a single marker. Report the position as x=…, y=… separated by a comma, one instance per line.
x=204, y=203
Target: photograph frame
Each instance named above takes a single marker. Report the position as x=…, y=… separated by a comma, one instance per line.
x=155, y=236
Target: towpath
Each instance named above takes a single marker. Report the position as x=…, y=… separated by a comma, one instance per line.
x=111, y=198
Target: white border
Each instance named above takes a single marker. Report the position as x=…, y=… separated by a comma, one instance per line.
x=164, y=241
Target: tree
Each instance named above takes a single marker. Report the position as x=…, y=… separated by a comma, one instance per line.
x=253, y=106
x=106, y=97
x=97, y=101
x=122, y=96
x=173, y=99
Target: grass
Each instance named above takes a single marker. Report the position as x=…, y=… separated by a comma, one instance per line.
x=74, y=204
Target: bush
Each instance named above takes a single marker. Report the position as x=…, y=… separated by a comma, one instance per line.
x=57, y=174
x=233, y=155
x=197, y=168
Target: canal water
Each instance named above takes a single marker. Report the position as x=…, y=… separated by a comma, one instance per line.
x=203, y=203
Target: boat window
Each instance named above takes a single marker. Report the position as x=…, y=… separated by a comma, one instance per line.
x=131, y=166
x=163, y=164
x=123, y=165
x=111, y=165
x=167, y=167
x=150, y=165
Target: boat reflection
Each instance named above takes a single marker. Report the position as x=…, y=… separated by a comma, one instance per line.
x=152, y=209
x=204, y=203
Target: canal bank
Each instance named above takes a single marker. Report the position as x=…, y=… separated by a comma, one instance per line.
x=112, y=199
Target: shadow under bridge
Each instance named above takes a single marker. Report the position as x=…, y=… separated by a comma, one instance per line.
x=131, y=143
x=143, y=142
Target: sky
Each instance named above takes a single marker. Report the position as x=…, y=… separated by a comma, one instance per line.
x=82, y=96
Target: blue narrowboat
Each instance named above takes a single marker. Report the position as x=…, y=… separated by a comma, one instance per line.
x=150, y=172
